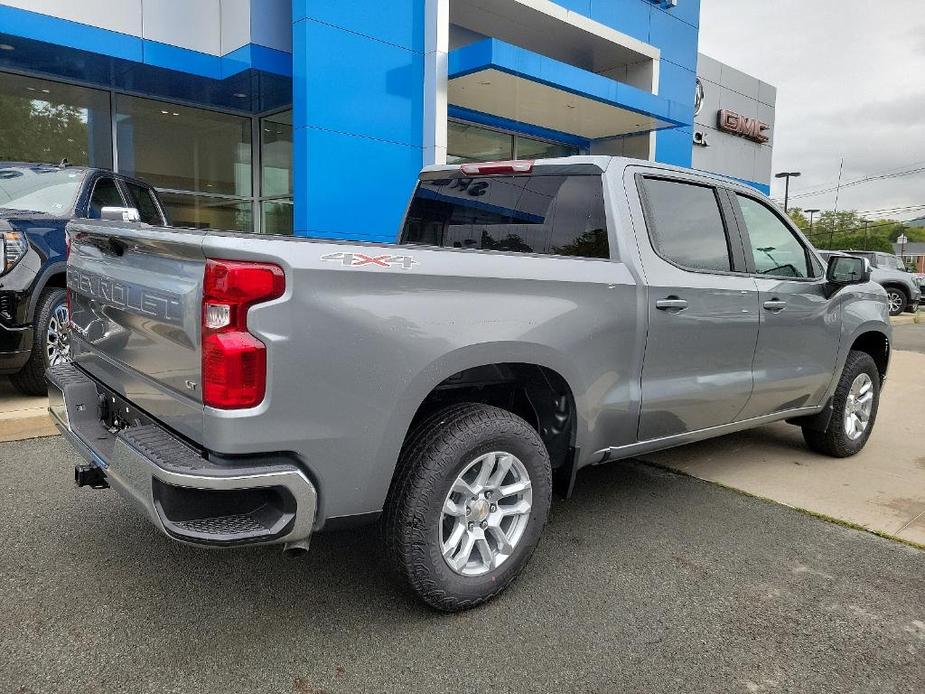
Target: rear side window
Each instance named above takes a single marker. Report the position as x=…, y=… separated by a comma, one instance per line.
x=105, y=194
x=686, y=226
x=143, y=200
x=552, y=215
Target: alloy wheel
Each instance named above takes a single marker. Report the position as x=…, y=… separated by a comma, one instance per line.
x=896, y=301
x=485, y=514
x=57, y=337
x=858, y=407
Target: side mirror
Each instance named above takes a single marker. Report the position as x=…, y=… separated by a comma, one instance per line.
x=120, y=214
x=847, y=269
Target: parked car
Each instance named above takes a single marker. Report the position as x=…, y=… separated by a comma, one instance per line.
x=36, y=202
x=533, y=319
x=889, y=271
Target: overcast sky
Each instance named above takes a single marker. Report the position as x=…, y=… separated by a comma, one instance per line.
x=850, y=78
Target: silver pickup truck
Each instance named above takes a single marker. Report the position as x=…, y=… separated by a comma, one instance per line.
x=533, y=319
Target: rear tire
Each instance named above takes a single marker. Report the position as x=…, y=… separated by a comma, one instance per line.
x=453, y=493
x=50, y=317
x=853, y=415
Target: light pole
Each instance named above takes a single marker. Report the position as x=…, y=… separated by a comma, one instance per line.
x=811, y=213
x=787, y=175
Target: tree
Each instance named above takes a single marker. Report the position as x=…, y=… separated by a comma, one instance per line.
x=40, y=131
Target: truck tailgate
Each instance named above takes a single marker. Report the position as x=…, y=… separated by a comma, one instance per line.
x=136, y=303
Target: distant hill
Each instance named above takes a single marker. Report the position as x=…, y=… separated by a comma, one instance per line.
x=916, y=223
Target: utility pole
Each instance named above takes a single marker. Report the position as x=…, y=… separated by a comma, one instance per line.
x=787, y=175
x=902, y=241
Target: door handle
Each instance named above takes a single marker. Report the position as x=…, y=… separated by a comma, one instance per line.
x=672, y=303
x=775, y=305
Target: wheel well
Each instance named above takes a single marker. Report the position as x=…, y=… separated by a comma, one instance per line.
x=899, y=287
x=877, y=345
x=59, y=279
x=536, y=394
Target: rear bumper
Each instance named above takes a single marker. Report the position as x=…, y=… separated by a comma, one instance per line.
x=185, y=494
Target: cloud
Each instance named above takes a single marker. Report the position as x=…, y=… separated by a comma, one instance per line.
x=849, y=86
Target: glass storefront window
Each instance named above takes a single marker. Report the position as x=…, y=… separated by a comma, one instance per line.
x=277, y=217
x=276, y=155
x=528, y=148
x=46, y=122
x=203, y=212
x=466, y=143
x=182, y=148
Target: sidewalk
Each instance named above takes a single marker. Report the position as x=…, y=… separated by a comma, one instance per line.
x=881, y=489
x=22, y=417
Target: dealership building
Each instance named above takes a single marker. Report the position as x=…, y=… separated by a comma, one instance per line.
x=314, y=117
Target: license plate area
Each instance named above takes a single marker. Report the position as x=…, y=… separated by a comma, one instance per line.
x=116, y=413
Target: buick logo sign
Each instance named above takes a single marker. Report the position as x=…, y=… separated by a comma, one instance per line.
x=698, y=97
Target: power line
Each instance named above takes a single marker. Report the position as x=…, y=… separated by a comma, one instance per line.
x=897, y=172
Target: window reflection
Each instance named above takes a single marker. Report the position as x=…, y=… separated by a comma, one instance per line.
x=182, y=148
x=43, y=121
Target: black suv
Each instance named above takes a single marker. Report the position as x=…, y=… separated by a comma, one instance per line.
x=36, y=203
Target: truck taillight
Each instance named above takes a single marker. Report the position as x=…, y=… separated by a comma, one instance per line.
x=234, y=362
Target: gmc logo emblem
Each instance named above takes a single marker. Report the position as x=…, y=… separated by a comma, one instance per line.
x=750, y=128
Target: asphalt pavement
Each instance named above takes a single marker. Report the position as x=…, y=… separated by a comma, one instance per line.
x=646, y=581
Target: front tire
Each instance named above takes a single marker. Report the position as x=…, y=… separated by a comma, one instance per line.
x=854, y=410
x=898, y=300
x=50, y=343
x=468, y=504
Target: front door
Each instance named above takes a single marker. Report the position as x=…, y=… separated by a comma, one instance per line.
x=702, y=309
x=800, y=327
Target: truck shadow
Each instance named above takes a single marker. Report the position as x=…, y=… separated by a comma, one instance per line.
x=344, y=577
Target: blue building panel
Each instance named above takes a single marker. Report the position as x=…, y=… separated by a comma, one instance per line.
x=399, y=22
x=344, y=94
x=353, y=187
x=676, y=39
x=675, y=146
x=632, y=17
x=358, y=104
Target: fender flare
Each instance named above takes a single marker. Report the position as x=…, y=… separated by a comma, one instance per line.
x=40, y=282
x=471, y=356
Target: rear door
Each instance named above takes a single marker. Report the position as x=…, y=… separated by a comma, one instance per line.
x=702, y=308
x=136, y=297
x=800, y=326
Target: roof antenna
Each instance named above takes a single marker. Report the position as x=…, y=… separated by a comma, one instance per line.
x=64, y=163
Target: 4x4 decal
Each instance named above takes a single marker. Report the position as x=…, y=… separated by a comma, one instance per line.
x=405, y=262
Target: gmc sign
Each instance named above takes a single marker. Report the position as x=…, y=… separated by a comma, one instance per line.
x=750, y=128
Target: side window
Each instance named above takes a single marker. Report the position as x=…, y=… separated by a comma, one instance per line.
x=142, y=199
x=105, y=194
x=777, y=252
x=686, y=225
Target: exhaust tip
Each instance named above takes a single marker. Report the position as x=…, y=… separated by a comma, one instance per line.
x=294, y=550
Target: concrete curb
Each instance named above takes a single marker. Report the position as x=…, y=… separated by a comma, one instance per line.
x=23, y=417
x=32, y=423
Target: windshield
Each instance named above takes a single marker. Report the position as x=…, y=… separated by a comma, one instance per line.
x=41, y=189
